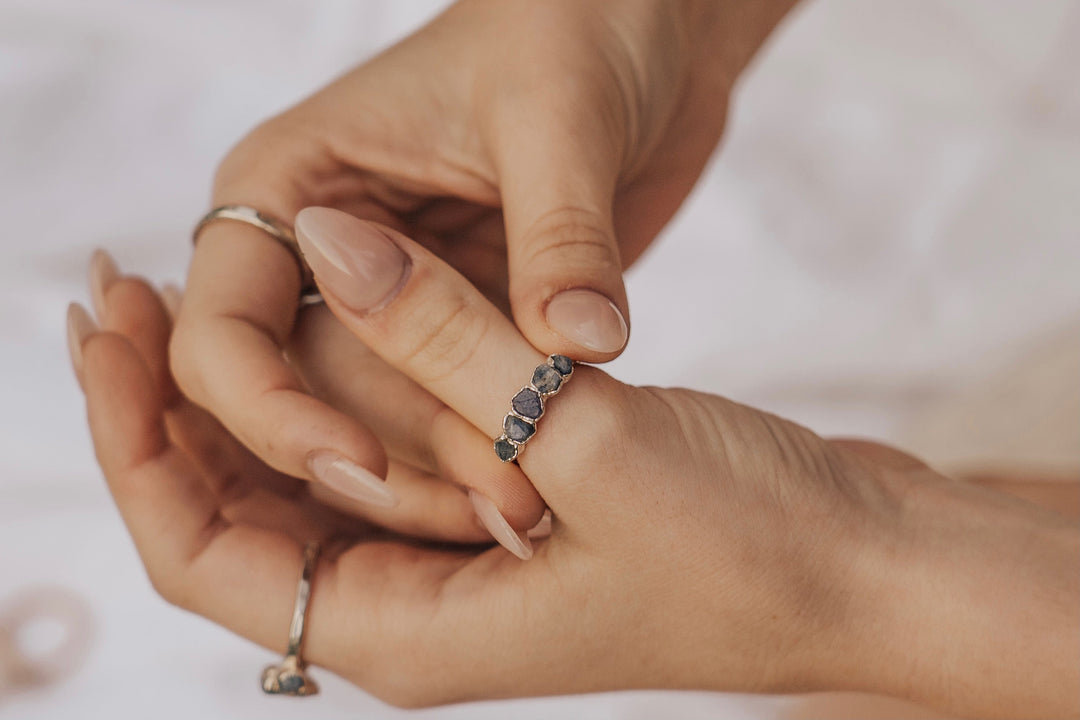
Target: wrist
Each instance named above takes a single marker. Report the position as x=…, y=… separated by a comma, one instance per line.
x=968, y=602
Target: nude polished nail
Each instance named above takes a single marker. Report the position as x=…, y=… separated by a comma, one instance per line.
x=351, y=258
x=588, y=319
x=103, y=273
x=351, y=480
x=490, y=517
x=79, y=327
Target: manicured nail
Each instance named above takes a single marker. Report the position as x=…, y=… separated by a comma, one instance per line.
x=79, y=327
x=171, y=295
x=489, y=515
x=351, y=258
x=351, y=480
x=103, y=274
x=542, y=529
x=588, y=319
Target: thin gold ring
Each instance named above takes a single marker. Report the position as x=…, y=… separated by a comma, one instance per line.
x=277, y=230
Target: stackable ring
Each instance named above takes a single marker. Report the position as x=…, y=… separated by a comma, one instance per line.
x=289, y=677
x=277, y=230
x=527, y=407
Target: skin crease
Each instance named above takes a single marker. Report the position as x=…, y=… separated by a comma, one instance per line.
x=536, y=147
x=745, y=554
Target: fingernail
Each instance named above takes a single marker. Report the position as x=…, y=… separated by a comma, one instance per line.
x=79, y=327
x=171, y=296
x=542, y=529
x=489, y=515
x=588, y=319
x=103, y=273
x=351, y=480
x=351, y=258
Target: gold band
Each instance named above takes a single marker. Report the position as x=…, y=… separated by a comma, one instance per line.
x=279, y=231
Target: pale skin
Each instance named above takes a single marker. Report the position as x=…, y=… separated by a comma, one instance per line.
x=697, y=543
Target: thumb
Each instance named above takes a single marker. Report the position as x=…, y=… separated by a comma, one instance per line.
x=557, y=174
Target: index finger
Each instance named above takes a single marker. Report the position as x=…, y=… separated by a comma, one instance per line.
x=227, y=356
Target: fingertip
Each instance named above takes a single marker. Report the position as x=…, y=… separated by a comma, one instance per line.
x=589, y=321
x=80, y=326
x=103, y=272
x=465, y=457
x=351, y=480
x=492, y=519
x=124, y=406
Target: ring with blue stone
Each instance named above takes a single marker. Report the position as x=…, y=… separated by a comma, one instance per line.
x=527, y=407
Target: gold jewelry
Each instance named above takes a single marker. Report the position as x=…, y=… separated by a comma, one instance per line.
x=279, y=231
x=289, y=676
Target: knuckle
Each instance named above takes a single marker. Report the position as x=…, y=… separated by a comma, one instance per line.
x=444, y=337
x=263, y=164
x=591, y=422
x=572, y=237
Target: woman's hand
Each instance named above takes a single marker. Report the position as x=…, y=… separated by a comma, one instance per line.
x=536, y=147
x=696, y=543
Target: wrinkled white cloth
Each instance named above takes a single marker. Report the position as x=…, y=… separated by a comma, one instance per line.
x=894, y=212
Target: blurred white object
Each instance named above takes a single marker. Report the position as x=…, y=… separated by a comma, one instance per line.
x=893, y=217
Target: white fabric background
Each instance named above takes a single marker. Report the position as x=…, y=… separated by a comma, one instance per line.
x=893, y=216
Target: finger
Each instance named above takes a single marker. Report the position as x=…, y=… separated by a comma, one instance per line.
x=171, y=294
x=430, y=507
x=102, y=274
x=430, y=323
x=193, y=558
x=227, y=356
x=433, y=509
x=416, y=428
x=371, y=597
x=129, y=306
x=79, y=327
x=558, y=189
x=344, y=373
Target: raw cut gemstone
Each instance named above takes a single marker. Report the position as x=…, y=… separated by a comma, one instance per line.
x=563, y=364
x=546, y=379
x=527, y=404
x=517, y=429
x=505, y=449
x=290, y=683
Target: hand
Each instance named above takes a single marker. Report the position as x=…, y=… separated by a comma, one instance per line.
x=536, y=147
x=696, y=543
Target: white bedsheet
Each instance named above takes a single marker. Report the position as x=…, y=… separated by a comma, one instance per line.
x=895, y=213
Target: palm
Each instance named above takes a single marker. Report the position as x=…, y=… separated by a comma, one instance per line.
x=215, y=498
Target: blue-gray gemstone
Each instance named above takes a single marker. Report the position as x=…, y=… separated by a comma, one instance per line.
x=505, y=450
x=290, y=683
x=546, y=379
x=517, y=429
x=563, y=364
x=527, y=404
